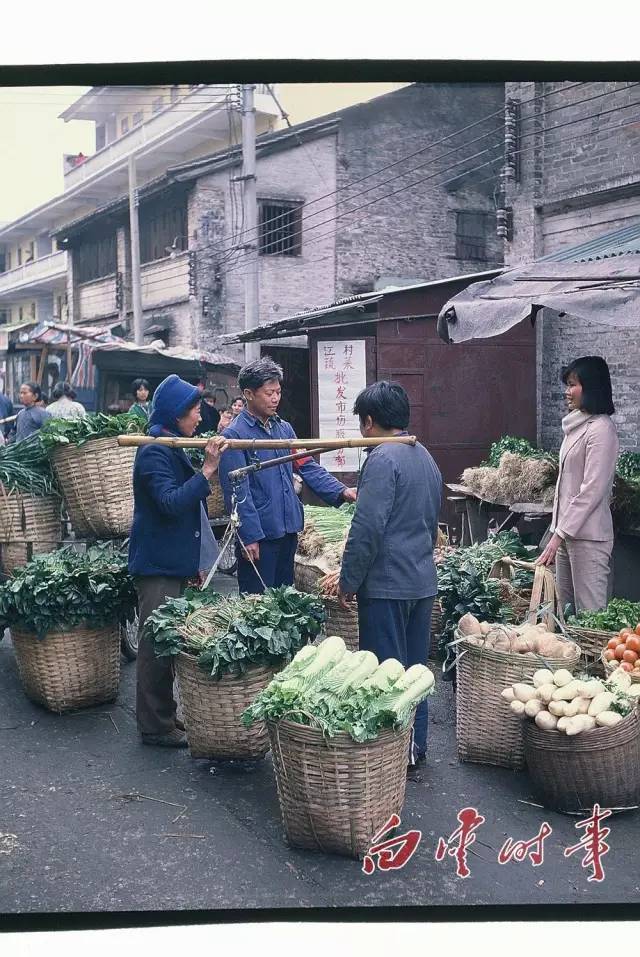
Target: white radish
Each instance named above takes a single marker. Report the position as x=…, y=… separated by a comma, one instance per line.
x=601, y=702
x=532, y=707
x=562, y=677
x=517, y=707
x=546, y=721
x=542, y=677
x=508, y=694
x=567, y=692
x=608, y=719
x=545, y=692
x=524, y=692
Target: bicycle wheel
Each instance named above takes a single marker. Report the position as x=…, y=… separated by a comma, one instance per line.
x=129, y=638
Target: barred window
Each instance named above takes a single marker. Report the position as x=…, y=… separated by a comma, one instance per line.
x=137, y=118
x=95, y=258
x=124, y=125
x=279, y=228
x=471, y=235
x=157, y=104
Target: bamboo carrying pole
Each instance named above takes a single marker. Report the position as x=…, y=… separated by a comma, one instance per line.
x=316, y=444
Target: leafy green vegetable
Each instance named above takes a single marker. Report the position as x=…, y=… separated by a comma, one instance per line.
x=464, y=586
x=66, y=588
x=618, y=614
x=511, y=443
x=25, y=467
x=628, y=466
x=94, y=426
x=341, y=691
x=228, y=635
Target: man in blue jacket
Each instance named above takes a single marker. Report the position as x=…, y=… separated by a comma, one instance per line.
x=270, y=512
x=171, y=542
x=388, y=559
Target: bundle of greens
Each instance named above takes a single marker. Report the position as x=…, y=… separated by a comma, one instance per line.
x=65, y=589
x=519, y=446
x=325, y=532
x=618, y=614
x=25, y=467
x=227, y=635
x=97, y=425
x=196, y=456
x=464, y=585
x=628, y=466
x=333, y=689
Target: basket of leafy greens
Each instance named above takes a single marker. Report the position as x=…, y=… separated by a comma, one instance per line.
x=29, y=504
x=94, y=473
x=64, y=611
x=227, y=649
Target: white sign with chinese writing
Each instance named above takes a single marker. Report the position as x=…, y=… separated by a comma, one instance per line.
x=342, y=374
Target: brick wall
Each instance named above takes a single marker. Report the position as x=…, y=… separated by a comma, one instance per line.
x=412, y=235
x=566, y=339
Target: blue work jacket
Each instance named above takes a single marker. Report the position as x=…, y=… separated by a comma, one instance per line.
x=168, y=494
x=389, y=551
x=267, y=503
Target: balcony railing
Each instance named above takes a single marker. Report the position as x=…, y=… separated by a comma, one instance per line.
x=165, y=281
x=41, y=271
x=158, y=130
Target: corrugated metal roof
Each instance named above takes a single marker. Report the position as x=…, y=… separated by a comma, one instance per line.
x=620, y=242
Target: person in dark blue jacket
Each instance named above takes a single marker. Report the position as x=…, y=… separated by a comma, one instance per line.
x=388, y=559
x=171, y=542
x=270, y=512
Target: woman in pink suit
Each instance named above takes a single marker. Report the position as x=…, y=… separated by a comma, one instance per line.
x=582, y=527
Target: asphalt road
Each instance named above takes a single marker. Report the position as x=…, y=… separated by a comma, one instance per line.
x=90, y=820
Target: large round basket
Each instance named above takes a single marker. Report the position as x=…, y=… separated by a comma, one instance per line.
x=17, y=554
x=29, y=518
x=592, y=641
x=70, y=669
x=487, y=731
x=572, y=774
x=342, y=622
x=215, y=501
x=97, y=483
x=212, y=710
x=335, y=794
x=306, y=576
x=610, y=666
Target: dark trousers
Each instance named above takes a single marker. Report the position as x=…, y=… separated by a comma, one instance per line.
x=155, y=704
x=399, y=628
x=275, y=565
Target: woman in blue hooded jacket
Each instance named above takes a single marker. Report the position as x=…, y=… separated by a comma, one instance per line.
x=171, y=542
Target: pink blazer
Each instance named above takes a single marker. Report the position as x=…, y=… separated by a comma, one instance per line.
x=588, y=458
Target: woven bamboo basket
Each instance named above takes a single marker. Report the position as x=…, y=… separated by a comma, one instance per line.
x=487, y=731
x=335, y=794
x=215, y=501
x=212, y=710
x=592, y=641
x=97, y=483
x=517, y=599
x=29, y=518
x=610, y=666
x=70, y=669
x=601, y=766
x=306, y=577
x=342, y=622
x=17, y=554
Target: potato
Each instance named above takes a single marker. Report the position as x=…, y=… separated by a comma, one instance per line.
x=545, y=692
x=469, y=625
x=557, y=708
x=517, y=707
x=485, y=627
x=608, y=719
x=524, y=692
x=546, y=721
x=619, y=679
x=591, y=688
x=532, y=706
x=601, y=702
x=582, y=705
x=634, y=691
x=542, y=677
x=562, y=723
x=581, y=722
x=571, y=708
x=562, y=677
x=508, y=694
x=567, y=692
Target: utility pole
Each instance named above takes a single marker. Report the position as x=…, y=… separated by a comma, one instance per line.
x=136, y=290
x=250, y=208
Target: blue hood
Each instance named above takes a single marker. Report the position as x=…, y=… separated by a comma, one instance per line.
x=171, y=399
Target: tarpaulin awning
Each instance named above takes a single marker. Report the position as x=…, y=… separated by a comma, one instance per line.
x=605, y=291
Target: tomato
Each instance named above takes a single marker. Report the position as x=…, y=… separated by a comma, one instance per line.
x=637, y=629
x=629, y=656
x=609, y=655
x=619, y=652
x=613, y=642
x=625, y=632
x=633, y=644
x=626, y=666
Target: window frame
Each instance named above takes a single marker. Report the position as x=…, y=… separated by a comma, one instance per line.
x=159, y=226
x=285, y=237
x=134, y=122
x=95, y=259
x=157, y=105
x=471, y=246
x=124, y=126
x=103, y=127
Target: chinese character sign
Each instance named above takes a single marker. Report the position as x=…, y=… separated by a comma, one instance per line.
x=342, y=374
